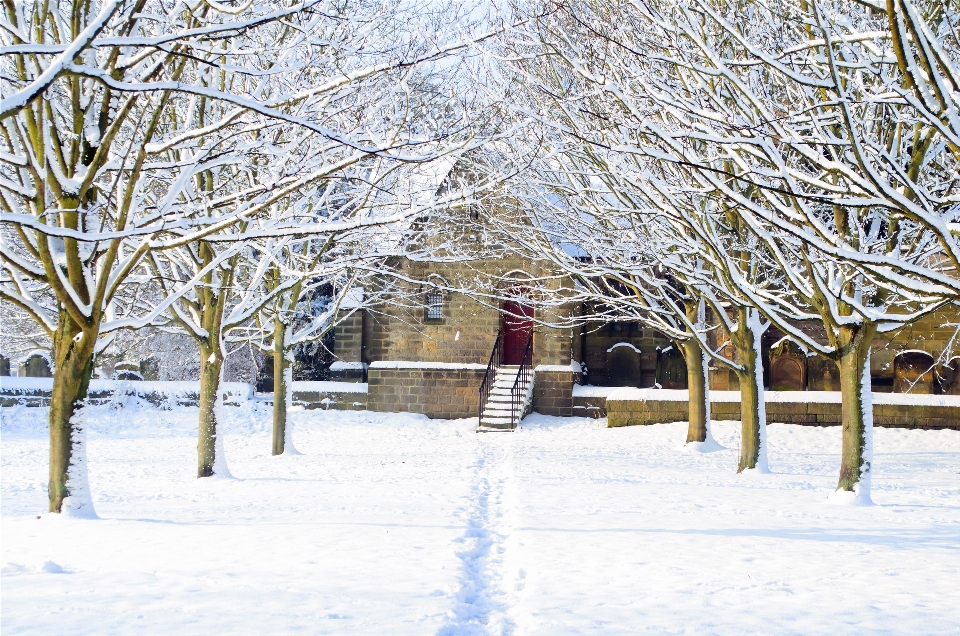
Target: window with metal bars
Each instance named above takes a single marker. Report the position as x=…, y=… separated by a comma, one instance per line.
x=434, y=304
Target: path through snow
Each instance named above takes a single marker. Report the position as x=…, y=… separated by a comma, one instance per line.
x=394, y=524
x=491, y=576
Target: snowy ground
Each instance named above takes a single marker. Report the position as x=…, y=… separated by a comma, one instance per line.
x=390, y=524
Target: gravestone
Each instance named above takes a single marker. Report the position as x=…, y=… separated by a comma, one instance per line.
x=913, y=373
x=265, y=377
x=4, y=365
x=128, y=372
x=788, y=367
x=671, y=369
x=623, y=365
x=823, y=374
x=150, y=369
x=36, y=366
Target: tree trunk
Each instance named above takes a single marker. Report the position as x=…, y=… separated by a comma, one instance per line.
x=211, y=364
x=697, y=391
x=73, y=365
x=753, y=415
x=280, y=364
x=856, y=409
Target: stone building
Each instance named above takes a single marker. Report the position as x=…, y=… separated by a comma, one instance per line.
x=430, y=352
x=432, y=359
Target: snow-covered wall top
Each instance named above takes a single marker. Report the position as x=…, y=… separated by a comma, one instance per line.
x=403, y=364
x=573, y=367
x=586, y=390
x=323, y=386
x=340, y=365
x=21, y=385
x=623, y=344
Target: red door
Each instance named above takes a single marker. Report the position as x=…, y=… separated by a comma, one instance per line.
x=517, y=329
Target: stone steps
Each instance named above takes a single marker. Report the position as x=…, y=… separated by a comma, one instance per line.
x=498, y=411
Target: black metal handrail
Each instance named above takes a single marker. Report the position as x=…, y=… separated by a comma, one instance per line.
x=490, y=376
x=518, y=401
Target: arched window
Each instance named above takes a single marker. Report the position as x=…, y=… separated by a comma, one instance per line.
x=434, y=304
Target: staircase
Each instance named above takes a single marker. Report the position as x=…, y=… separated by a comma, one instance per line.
x=500, y=412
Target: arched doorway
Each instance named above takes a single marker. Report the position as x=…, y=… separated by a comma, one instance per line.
x=517, y=329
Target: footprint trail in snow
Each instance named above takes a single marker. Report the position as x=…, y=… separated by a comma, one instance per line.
x=490, y=580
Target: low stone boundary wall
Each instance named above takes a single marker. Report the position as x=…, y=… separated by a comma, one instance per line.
x=16, y=391
x=334, y=396
x=437, y=390
x=591, y=401
x=629, y=407
x=595, y=407
x=36, y=392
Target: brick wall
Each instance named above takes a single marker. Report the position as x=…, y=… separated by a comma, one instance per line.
x=553, y=392
x=931, y=333
x=436, y=393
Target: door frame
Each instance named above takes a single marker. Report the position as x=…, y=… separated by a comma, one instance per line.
x=509, y=353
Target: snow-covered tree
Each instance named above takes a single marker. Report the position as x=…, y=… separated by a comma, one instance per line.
x=354, y=229
x=89, y=91
x=131, y=128
x=785, y=115
x=614, y=222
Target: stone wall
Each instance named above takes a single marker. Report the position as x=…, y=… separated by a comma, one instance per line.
x=446, y=393
x=644, y=407
x=553, y=391
x=465, y=334
x=468, y=327
x=34, y=392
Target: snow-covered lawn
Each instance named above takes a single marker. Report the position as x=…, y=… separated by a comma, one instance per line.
x=395, y=524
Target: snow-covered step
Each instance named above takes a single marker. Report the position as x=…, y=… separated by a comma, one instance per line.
x=495, y=420
x=498, y=412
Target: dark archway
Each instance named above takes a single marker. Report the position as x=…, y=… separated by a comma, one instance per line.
x=913, y=373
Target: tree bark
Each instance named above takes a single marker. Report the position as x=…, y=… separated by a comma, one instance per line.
x=73, y=349
x=753, y=416
x=697, y=390
x=280, y=364
x=856, y=409
x=211, y=363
